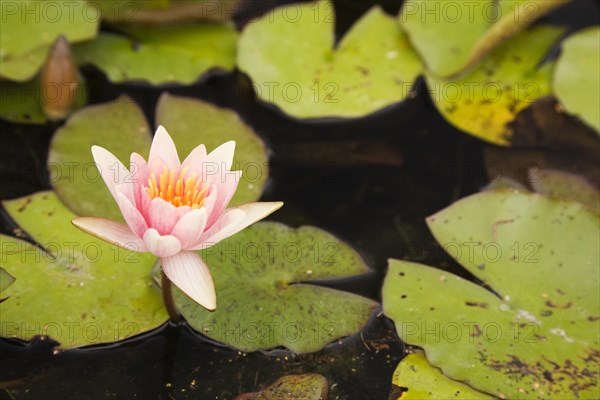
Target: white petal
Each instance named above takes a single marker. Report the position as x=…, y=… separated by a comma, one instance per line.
x=164, y=147
x=112, y=170
x=110, y=231
x=190, y=228
x=225, y=226
x=191, y=274
x=220, y=159
x=255, y=212
x=161, y=246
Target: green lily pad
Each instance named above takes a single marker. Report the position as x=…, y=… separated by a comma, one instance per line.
x=536, y=335
x=6, y=280
x=193, y=121
x=565, y=185
x=419, y=380
x=118, y=126
x=121, y=128
x=453, y=36
x=75, y=289
x=30, y=27
x=372, y=67
x=129, y=10
x=262, y=277
x=576, y=81
x=487, y=100
x=297, y=387
x=166, y=11
x=21, y=102
x=161, y=55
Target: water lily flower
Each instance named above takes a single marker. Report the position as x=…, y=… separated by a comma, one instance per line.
x=174, y=208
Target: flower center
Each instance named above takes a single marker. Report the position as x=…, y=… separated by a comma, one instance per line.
x=180, y=191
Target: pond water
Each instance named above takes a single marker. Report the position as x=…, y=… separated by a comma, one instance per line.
x=402, y=164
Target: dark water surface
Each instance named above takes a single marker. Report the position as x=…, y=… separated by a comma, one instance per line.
x=417, y=164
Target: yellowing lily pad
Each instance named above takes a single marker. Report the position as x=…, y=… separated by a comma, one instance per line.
x=576, y=79
x=160, y=55
x=536, y=336
x=121, y=128
x=30, y=27
x=265, y=300
x=416, y=379
x=452, y=36
x=297, y=387
x=193, y=121
x=290, y=57
x=75, y=289
x=484, y=102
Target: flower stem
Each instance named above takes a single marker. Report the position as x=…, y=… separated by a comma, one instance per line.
x=167, y=295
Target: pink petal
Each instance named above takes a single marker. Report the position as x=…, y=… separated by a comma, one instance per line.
x=164, y=147
x=112, y=170
x=194, y=160
x=190, y=227
x=133, y=217
x=161, y=246
x=225, y=191
x=218, y=162
x=140, y=173
x=191, y=274
x=162, y=216
x=110, y=231
x=210, y=200
x=252, y=212
x=225, y=226
x=223, y=155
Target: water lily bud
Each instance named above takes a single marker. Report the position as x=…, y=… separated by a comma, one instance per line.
x=59, y=82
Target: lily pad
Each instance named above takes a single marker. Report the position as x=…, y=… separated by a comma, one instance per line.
x=297, y=387
x=6, y=280
x=452, y=36
x=75, y=289
x=121, y=128
x=372, y=67
x=487, y=100
x=262, y=277
x=160, y=55
x=118, y=126
x=536, y=335
x=30, y=27
x=565, y=185
x=193, y=121
x=166, y=11
x=576, y=79
x=419, y=380
x=22, y=102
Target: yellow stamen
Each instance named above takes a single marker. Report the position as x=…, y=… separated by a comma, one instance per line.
x=180, y=192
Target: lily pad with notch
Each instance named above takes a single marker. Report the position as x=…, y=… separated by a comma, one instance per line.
x=120, y=127
x=485, y=102
x=452, y=37
x=535, y=334
x=161, y=55
x=72, y=287
x=30, y=27
x=263, y=279
x=373, y=66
